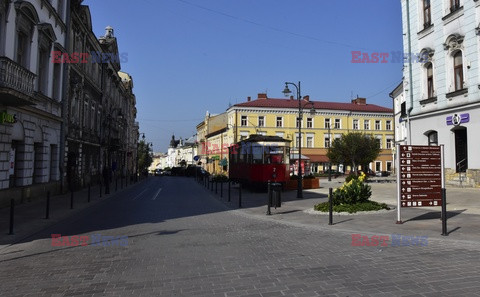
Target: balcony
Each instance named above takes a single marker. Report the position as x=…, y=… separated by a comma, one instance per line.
x=16, y=83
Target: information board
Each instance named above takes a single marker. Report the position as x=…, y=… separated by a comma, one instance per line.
x=420, y=175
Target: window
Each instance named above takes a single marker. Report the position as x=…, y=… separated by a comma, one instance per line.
x=327, y=123
x=309, y=123
x=430, y=89
x=379, y=142
x=432, y=138
x=60, y=8
x=378, y=125
x=299, y=121
x=85, y=114
x=243, y=121
x=454, y=5
x=403, y=109
x=355, y=124
x=388, y=125
x=309, y=141
x=338, y=124
x=427, y=14
x=43, y=71
x=366, y=124
x=93, y=117
x=56, y=82
x=22, y=49
x=458, y=70
x=389, y=143
x=261, y=121
x=297, y=140
x=378, y=166
x=279, y=122
x=327, y=141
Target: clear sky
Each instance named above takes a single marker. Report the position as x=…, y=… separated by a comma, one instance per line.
x=192, y=56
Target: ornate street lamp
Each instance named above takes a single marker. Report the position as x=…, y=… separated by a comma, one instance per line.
x=287, y=91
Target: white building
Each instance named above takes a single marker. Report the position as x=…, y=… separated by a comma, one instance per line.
x=31, y=94
x=441, y=85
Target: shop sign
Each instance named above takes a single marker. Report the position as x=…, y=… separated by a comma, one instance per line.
x=458, y=119
x=7, y=118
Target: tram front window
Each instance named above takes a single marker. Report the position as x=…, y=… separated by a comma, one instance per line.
x=257, y=154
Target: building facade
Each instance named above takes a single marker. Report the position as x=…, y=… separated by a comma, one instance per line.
x=31, y=95
x=442, y=81
x=327, y=121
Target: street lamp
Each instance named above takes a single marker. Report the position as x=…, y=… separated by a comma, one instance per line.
x=329, y=161
x=287, y=91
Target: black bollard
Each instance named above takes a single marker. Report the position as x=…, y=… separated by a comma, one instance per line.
x=239, y=195
x=121, y=182
x=330, y=206
x=12, y=212
x=211, y=185
x=88, y=197
x=71, y=199
x=221, y=189
x=216, y=186
x=100, y=186
x=229, y=187
x=116, y=184
x=269, y=200
x=47, y=210
x=444, y=212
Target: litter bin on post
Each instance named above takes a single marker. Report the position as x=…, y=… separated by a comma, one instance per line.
x=274, y=196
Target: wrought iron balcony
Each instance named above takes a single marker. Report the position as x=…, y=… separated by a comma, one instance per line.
x=18, y=82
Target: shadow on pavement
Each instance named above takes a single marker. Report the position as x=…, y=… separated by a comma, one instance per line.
x=435, y=215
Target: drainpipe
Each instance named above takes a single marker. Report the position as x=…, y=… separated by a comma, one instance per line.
x=63, y=126
x=410, y=73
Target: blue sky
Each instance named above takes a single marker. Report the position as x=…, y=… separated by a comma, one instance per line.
x=190, y=56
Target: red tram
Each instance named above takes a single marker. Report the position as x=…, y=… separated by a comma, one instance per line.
x=259, y=159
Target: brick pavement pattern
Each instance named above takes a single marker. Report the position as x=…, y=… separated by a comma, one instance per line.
x=182, y=241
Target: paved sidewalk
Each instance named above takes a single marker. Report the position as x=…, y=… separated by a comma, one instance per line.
x=463, y=208
x=29, y=218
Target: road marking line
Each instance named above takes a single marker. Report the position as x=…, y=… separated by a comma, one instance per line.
x=139, y=194
x=155, y=197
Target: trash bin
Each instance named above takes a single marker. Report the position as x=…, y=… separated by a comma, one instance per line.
x=276, y=192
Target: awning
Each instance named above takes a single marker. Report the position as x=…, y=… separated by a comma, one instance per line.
x=295, y=157
x=319, y=159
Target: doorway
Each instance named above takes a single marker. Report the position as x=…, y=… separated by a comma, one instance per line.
x=461, y=151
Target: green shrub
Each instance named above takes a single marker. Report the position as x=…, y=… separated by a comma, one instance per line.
x=352, y=208
x=220, y=178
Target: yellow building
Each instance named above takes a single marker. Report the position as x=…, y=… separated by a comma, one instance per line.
x=270, y=116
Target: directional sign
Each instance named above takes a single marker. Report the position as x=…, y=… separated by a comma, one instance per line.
x=420, y=176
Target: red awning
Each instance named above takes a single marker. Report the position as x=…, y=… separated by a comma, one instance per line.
x=318, y=159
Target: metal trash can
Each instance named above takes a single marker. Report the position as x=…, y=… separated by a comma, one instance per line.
x=276, y=194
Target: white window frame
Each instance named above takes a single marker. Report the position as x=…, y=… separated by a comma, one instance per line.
x=309, y=122
x=242, y=118
x=366, y=124
x=355, y=124
x=262, y=122
x=379, y=126
x=339, y=122
x=281, y=122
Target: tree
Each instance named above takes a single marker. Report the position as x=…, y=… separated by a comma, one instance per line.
x=145, y=158
x=354, y=149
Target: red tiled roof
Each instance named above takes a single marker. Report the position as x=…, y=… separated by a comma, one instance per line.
x=289, y=103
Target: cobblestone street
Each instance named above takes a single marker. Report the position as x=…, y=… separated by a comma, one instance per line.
x=184, y=242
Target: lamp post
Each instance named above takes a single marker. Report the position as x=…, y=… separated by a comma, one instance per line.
x=138, y=144
x=329, y=161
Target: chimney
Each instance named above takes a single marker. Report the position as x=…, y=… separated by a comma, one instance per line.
x=262, y=95
x=306, y=98
x=249, y=99
x=359, y=101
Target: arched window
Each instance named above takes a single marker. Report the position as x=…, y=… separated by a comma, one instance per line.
x=432, y=138
x=430, y=86
x=458, y=70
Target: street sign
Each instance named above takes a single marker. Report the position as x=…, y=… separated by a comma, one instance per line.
x=420, y=176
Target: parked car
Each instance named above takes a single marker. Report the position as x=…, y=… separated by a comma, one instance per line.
x=382, y=173
x=158, y=172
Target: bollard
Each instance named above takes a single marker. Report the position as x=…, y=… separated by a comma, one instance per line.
x=116, y=184
x=229, y=190
x=71, y=199
x=121, y=182
x=330, y=206
x=216, y=187
x=269, y=200
x=444, y=212
x=211, y=183
x=12, y=212
x=239, y=195
x=47, y=210
x=88, y=197
x=221, y=189
x=100, y=186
